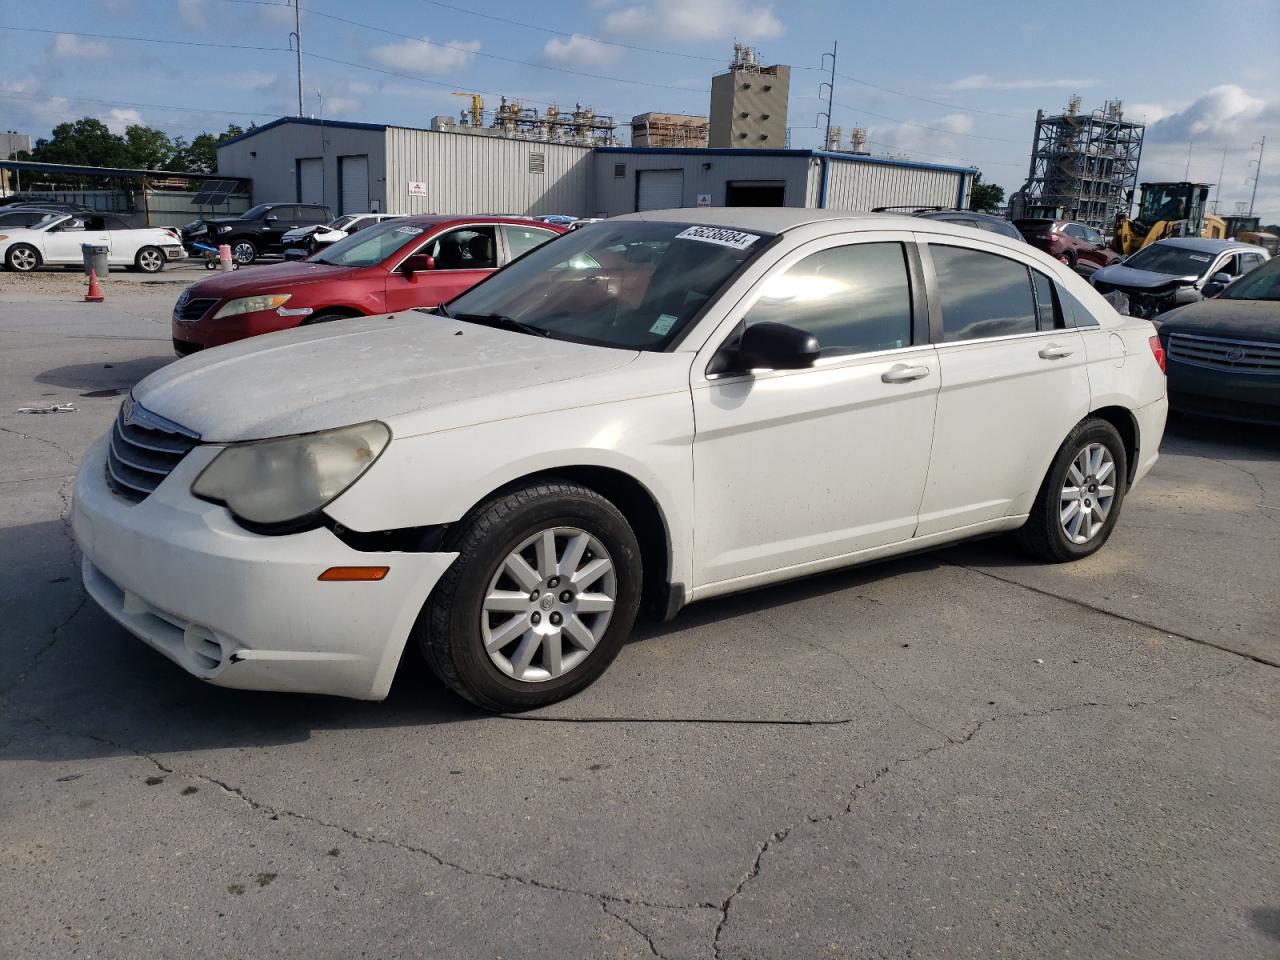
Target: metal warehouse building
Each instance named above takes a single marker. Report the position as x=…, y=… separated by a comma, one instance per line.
x=356, y=167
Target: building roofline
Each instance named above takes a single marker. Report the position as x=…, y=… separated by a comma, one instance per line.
x=775, y=152
x=307, y=121
x=84, y=170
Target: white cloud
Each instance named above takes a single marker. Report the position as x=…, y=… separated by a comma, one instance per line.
x=118, y=119
x=424, y=56
x=1223, y=118
x=191, y=12
x=982, y=81
x=67, y=46
x=935, y=139
x=579, y=50
x=341, y=106
x=708, y=20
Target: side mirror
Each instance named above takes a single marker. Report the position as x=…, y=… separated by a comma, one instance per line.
x=1213, y=288
x=417, y=263
x=776, y=346
x=270, y=218
x=1221, y=277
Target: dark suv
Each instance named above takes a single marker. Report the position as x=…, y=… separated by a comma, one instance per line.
x=1077, y=245
x=256, y=231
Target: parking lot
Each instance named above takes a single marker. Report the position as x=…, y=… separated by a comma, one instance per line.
x=958, y=754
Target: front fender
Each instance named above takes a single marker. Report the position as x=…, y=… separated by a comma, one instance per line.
x=436, y=478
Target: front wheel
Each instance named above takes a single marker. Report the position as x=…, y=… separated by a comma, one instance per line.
x=22, y=257
x=1079, y=501
x=149, y=260
x=543, y=594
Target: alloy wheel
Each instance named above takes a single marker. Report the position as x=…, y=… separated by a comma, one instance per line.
x=23, y=259
x=243, y=253
x=150, y=260
x=548, y=605
x=1088, y=493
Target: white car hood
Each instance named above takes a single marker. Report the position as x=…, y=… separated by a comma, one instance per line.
x=372, y=368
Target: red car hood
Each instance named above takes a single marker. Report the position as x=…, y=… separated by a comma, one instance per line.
x=273, y=279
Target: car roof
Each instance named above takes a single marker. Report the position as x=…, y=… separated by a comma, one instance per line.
x=772, y=219
x=443, y=219
x=1201, y=245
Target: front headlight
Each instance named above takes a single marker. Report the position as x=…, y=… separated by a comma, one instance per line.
x=224, y=229
x=276, y=482
x=267, y=301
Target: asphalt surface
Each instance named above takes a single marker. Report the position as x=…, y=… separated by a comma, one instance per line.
x=955, y=755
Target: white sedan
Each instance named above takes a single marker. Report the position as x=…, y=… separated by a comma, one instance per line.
x=318, y=236
x=56, y=240
x=669, y=406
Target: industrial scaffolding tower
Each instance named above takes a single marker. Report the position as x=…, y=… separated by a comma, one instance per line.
x=1084, y=167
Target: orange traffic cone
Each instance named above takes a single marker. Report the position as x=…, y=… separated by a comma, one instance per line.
x=95, y=292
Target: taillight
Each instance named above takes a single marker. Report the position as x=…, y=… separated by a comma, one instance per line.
x=1157, y=351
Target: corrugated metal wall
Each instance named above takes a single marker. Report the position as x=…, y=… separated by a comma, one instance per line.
x=464, y=173
x=856, y=185
x=615, y=195
x=270, y=158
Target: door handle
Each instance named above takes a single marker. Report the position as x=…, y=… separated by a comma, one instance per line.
x=1055, y=352
x=904, y=373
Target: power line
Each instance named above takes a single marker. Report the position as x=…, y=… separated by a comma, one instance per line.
x=463, y=48
x=563, y=33
x=112, y=36
x=129, y=103
x=925, y=126
x=937, y=103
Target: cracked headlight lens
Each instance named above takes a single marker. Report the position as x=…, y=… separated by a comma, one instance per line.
x=271, y=483
x=267, y=301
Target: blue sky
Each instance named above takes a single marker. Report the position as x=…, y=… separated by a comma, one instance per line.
x=942, y=81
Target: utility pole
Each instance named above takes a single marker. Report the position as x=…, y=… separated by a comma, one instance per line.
x=831, y=91
x=1257, y=174
x=295, y=40
x=1217, y=194
x=1187, y=176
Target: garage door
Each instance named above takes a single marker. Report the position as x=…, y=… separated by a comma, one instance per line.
x=354, y=174
x=659, y=189
x=310, y=181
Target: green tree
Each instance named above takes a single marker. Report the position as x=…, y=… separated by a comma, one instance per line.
x=985, y=196
x=201, y=155
x=147, y=148
x=86, y=141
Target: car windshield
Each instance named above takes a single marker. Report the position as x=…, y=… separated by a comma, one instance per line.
x=369, y=246
x=629, y=284
x=1173, y=260
x=340, y=223
x=47, y=221
x=1262, y=283
x=256, y=213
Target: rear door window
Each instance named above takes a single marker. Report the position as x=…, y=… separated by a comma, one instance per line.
x=982, y=294
x=520, y=240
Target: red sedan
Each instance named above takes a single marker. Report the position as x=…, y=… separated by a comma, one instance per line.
x=410, y=262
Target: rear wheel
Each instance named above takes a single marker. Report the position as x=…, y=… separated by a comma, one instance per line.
x=22, y=257
x=543, y=594
x=149, y=260
x=1067, y=259
x=1080, y=498
x=244, y=252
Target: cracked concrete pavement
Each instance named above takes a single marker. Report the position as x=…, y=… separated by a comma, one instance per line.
x=958, y=754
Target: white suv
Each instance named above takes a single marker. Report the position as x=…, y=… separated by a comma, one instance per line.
x=666, y=407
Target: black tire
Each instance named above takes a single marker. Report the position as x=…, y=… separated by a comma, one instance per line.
x=243, y=251
x=22, y=258
x=449, y=629
x=149, y=260
x=311, y=246
x=1043, y=535
x=1067, y=260
x=324, y=316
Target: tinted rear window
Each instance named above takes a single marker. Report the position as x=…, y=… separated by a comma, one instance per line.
x=1034, y=227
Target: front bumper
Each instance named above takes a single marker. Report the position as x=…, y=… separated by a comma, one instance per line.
x=1205, y=391
x=238, y=609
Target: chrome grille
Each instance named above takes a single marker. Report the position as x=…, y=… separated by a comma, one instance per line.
x=1220, y=353
x=144, y=450
x=189, y=311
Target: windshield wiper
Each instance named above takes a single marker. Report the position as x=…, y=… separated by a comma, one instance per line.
x=502, y=323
